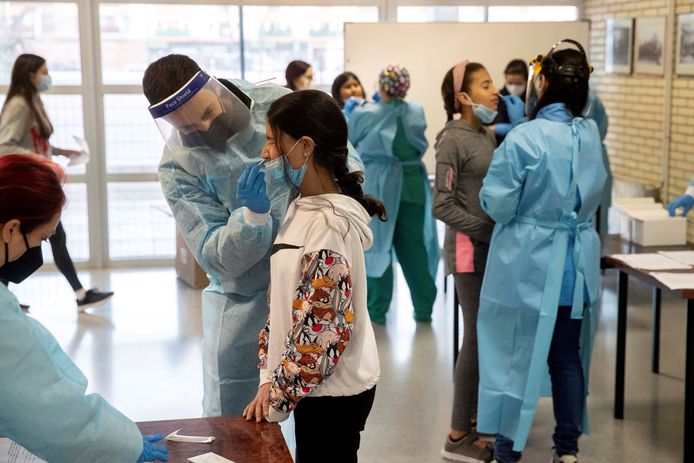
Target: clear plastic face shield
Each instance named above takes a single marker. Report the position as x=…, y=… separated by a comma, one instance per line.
x=533, y=92
x=201, y=114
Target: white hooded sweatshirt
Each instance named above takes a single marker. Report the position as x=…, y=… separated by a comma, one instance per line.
x=319, y=340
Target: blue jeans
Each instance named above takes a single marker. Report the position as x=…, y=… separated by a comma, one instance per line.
x=568, y=390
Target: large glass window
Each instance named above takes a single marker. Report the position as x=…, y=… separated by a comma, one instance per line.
x=425, y=14
x=48, y=29
x=133, y=35
x=75, y=221
x=532, y=13
x=276, y=35
x=140, y=222
x=133, y=143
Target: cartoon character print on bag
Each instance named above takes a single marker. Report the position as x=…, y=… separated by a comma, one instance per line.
x=322, y=321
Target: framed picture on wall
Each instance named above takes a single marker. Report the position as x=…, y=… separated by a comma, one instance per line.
x=685, y=45
x=649, y=48
x=619, y=41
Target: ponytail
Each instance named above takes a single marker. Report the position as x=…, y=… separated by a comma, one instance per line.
x=350, y=185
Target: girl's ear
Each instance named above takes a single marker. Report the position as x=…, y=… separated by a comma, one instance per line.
x=309, y=146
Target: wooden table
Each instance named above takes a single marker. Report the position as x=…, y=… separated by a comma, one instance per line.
x=612, y=245
x=235, y=438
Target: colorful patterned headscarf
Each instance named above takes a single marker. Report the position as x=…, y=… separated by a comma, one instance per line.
x=394, y=81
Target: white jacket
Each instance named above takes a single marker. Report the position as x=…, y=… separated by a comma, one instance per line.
x=319, y=339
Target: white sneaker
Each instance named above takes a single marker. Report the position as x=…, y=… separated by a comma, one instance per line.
x=564, y=459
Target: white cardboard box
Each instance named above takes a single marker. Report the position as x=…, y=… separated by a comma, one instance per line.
x=627, y=207
x=657, y=228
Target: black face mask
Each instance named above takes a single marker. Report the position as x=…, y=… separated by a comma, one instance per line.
x=20, y=269
x=215, y=137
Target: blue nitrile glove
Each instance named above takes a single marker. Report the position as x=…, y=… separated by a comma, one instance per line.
x=515, y=108
x=685, y=201
x=151, y=452
x=503, y=129
x=251, y=190
x=350, y=104
x=376, y=97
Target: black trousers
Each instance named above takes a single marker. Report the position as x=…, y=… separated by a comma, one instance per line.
x=62, y=258
x=327, y=428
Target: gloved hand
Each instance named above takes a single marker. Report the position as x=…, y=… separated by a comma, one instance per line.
x=515, y=108
x=151, y=452
x=685, y=201
x=376, y=97
x=251, y=190
x=503, y=129
x=350, y=104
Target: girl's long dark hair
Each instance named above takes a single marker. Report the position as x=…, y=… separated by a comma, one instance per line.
x=339, y=82
x=313, y=113
x=21, y=84
x=570, y=88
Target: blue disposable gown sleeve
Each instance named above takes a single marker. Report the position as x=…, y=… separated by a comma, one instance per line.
x=225, y=244
x=503, y=185
x=43, y=405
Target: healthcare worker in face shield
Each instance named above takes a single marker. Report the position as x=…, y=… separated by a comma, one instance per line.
x=389, y=136
x=542, y=281
x=210, y=176
x=43, y=405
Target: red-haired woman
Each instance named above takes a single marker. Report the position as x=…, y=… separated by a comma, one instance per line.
x=26, y=129
x=42, y=402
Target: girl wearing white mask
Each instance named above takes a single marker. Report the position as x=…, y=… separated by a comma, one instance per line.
x=515, y=83
x=464, y=150
x=26, y=129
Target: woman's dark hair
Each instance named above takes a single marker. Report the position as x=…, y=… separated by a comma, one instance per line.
x=517, y=66
x=21, y=84
x=313, y=113
x=339, y=82
x=295, y=69
x=567, y=72
x=449, y=96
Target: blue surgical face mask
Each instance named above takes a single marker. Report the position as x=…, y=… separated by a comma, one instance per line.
x=277, y=168
x=45, y=83
x=486, y=115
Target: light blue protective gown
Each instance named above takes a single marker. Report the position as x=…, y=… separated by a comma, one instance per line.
x=530, y=192
x=200, y=187
x=596, y=110
x=372, y=132
x=43, y=406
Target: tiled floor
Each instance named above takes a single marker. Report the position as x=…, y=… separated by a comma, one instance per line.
x=142, y=352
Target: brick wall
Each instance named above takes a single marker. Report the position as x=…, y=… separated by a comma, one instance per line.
x=635, y=105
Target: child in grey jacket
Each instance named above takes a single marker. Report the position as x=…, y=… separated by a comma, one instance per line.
x=464, y=150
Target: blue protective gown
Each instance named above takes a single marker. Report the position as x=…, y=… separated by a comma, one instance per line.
x=200, y=187
x=596, y=110
x=372, y=131
x=42, y=402
x=530, y=191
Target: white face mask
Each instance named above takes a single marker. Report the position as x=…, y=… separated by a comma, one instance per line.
x=515, y=89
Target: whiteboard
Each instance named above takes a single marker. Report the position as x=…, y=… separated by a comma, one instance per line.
x=428, y=51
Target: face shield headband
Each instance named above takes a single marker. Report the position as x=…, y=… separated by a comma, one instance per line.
x=202, y=114
x=547, y=63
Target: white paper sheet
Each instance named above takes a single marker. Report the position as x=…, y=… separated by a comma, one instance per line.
x=175, y=436
x=209, y=458
x=83, y=157
x=675, y=280
x=685, y=257
x=651, y=262
x=12, y=452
